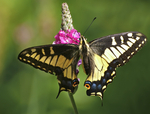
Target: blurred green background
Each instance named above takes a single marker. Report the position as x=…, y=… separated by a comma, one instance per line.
x=26, y=23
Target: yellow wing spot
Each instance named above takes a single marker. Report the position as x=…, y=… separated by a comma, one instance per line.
x=124, y=61
x=39, y=66
x=44, y=69
x=142, y=42
x=128, y=57
x=104, y=87
x=145, y=39
x=28, y=61
x=37, y=57
x=50, y=71
x=93, y=94
x=65, y=73
x=24, y=59
x=118, y=65
x=69, y=90
x=62, y=88
x=113, y=73
x=136, y=49
x=124, y=46
x=100, y=74
x=138, y=34
x=110, y=80
x=33, y=64
x=109, y=55
x=122, y=39
x=99, y=93
x=69, y=70
x=74, y=77
x=120, y=49
x=20, y=58
x=129, y=43
x=103, y=56
x=43, y=51
x=59, y=81
x=115, y=52
x=132, y=40
x=129, y=34
x=137, y=38
x=27, y=55
x=54, y=60
x=113, y=41
x=24, y=52
x=48, y=60
x=51, y=51
x=140, y=45
x=33, y=55
x=100, y=68
x=105, y=65
x=132, y=53
x=33, y=50
x=95, y=76
x=67, y=63
x=43, y=59
x=61, y=61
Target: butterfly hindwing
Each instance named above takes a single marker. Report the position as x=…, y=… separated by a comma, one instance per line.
x=59, y=59
x=106, y=54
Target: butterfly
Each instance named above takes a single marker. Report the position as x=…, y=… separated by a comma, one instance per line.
x=100, y=58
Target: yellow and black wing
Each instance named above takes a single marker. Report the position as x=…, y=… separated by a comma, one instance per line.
x=59, y=59
x=105, y=55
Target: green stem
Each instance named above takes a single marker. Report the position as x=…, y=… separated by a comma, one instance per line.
x=73, y=102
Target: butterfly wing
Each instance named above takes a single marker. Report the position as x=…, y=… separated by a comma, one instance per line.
x=60, y=59
x=106, y=54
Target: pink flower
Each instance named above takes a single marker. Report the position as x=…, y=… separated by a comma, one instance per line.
x=79, y=62
x=68, y=37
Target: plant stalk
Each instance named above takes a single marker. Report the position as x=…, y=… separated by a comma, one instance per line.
x=73, y=103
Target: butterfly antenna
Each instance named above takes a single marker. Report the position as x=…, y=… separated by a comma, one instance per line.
x=89, y=25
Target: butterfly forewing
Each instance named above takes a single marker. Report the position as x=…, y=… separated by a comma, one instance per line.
x=118, y=46
x=59, y=59
x=108, y=53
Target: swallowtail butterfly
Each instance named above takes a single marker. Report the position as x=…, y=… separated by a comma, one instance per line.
x=100, y=58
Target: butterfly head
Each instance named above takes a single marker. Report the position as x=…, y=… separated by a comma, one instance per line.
x=84, y=46
x=82, y=40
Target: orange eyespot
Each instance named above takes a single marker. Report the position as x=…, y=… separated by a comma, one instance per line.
x=87, y=86
x=75, y=84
